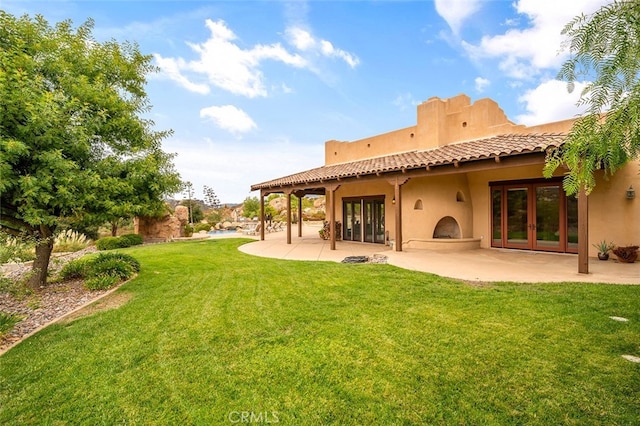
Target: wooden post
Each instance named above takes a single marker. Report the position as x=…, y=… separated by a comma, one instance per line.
x=262, y=215
x=289, y=218
x=583, y=232
x=300, y=195
x=332, y=218
x=398, y=216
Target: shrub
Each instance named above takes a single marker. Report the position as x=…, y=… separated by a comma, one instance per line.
x=188, y=230
x=202, y=227
x=116, y=266
x=108, y=243
x=77, y=268
x=123, y=241
x=131, y=240
x=7, y=321
x=127, y=258
x=101, y=282
x=102, y=271
x=69, y=240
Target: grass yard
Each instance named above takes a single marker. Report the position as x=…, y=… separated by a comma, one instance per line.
x=210, y=335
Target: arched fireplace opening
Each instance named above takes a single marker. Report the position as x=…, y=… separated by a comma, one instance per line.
x=447, y=227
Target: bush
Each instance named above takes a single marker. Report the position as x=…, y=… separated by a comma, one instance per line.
x=117, y=266
x=188, y=230
x=108, y=243
x=102, y=271
x=131, y=239
x=101, y=282
x=77, y=268
x=7, y=321
x=127, y=258
x=123, y=241
x=202, y=227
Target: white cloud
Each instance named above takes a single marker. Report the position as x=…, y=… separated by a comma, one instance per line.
x=456, y=11
x=405, y=101
x=230, y=168
x=524, y=53
x=229, y=118
x=224, y=64
x=549, y=102
x=304, y=41
x=481, y=83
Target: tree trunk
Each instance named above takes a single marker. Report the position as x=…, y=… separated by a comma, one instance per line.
x=44, y=247
x=114, y=228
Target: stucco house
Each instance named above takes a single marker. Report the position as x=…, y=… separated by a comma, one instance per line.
x=465, y=177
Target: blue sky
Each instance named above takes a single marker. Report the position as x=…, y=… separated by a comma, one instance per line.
x=253, y=89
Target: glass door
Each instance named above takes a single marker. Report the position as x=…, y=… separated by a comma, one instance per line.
x=351, y=218
x=534, y=215
x=547, y=218
x=378, y=215
x=363, y=219
x=517, y=218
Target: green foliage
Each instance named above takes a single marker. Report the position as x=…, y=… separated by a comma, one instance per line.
x=101, y=282
x=77, y=268
x=131, y=239
x=214, y=216
x=202, y=227
x=195, y=210
x=7, y=321
x=112, y=267
x=188, y=230
x=251, y=207
x=123, y=241
x=101, y=271
x=108, y=243
x=74, y=147
x=605, y=48
x=604, y=247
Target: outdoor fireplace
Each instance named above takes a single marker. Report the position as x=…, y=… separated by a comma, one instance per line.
x=447, y=227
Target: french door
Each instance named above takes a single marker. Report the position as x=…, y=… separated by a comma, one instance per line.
x=534, y=215
x=363, y=219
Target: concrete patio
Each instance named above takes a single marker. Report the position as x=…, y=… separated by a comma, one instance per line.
x=472, y=265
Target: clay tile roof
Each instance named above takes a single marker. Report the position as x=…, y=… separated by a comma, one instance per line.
x=495, y=146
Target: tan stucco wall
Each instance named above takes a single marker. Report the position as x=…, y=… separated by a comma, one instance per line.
x=438, y=196
x=612, y=216
x=444, y=121
x=402, y=140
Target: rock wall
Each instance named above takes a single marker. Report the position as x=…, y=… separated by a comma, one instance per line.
x=165, y=228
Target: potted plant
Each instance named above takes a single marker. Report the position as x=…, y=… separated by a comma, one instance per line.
x=627, y=254
x=603, y=249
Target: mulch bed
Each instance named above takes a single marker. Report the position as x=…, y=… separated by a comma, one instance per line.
x=46, y=304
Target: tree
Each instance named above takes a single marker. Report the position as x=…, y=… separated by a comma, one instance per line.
x=136, y=187
x=605, y=47
x=210, y=197
x=195, y=210
x=69, y=122
x=251, y=207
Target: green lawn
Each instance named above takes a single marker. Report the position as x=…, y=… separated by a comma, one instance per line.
x=211, y=334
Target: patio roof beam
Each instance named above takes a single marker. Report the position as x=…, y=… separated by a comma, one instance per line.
x=528, y=159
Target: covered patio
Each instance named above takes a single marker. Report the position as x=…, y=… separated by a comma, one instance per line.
x=479, y=265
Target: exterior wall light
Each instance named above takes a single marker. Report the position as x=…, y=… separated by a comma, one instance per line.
x=393, y=201
x=631, y=193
